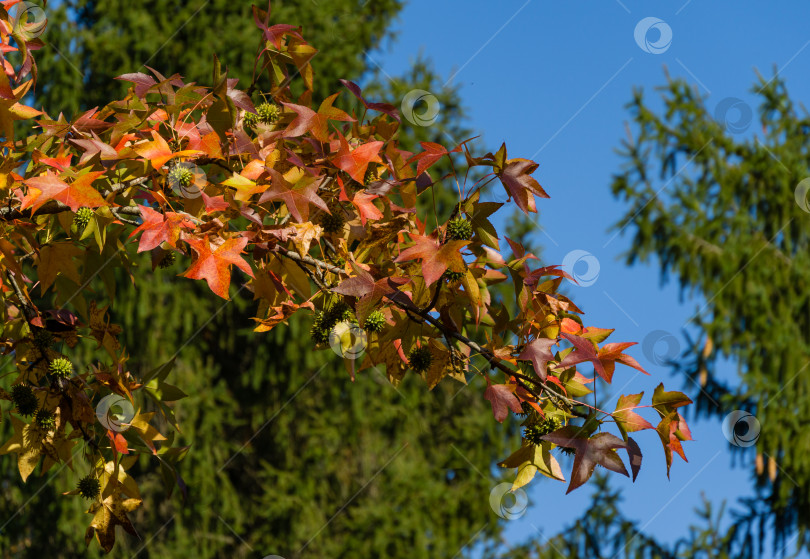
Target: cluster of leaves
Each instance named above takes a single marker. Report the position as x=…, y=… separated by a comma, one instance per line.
x=78, y=193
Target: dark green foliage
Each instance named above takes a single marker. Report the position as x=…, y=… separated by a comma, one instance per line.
x=459, y=229
x=732, y=226
x=82, y=217
x=173, y=37
x=61, y=367
x=419, y=359
x=24, y=399
x=375, y=322
x=89, y=487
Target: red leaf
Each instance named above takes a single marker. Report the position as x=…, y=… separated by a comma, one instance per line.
x=317, y=123
x=599, y=449
x=355, y=161
x=634, y=452
x=519, y=185
x=297, y=198
x=502, y=397
x=158, y=151
x=365, y=207
x=539, y=354
x=381, y=107
x=76, y=194
x=215, y=266
x=118, y=441
x=157, y=228
x=435, y=258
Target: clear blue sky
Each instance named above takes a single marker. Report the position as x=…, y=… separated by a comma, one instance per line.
x=551, y=79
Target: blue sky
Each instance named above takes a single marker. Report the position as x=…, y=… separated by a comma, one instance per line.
x=551, y=80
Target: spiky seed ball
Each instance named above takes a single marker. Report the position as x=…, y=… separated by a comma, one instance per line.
x=250, y=120
x=61, y=367
x=419, y=359
x=268, y=112
x=339, y=312
x=333, y=223
x=527, y=409
x=452, y=277
x=168, y=259
x=375, y=322
x=320, y=332
x=460, y=229
x=82, y=217
x=24, y=399
x=567, y=451
x=89, y=487
x=181, y=176
x=45, y=419
x=43, y=339
x=371, y=175
x=532, y=433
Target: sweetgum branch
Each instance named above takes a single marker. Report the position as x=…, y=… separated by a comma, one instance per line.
x=523, y=380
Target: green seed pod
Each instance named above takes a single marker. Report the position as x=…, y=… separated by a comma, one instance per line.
x=82, y=217
x=375, y=322
x=371, y=174
x=250, y=120
x=181, y=176
x=459, y=229
x=419, y=359
x=452, y=277
x=24, y=399
x=533, y=433
x=61, y=367
x=89, y=487
x=268, y=112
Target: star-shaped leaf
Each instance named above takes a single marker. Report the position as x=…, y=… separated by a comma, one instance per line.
x=436, y=258
x=214, y=266
x=108, y=514
x=538, y=352
x=158, y=228
x=297, y=197
x=599, y=449
x=502, y=397
x=355, y=161
x=76, y=194
x=518, y=183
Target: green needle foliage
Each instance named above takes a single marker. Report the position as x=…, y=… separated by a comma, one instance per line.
x=732, y=225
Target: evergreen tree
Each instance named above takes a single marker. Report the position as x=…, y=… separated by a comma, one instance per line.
x=727, y=214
